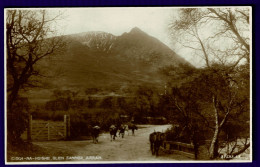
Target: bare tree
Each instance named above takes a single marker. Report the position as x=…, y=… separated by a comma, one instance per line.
x=218, y=36
x=30, y=37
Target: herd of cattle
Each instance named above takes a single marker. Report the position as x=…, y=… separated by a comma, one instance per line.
x=113, y=130
x=156, y=138
x=121, y=130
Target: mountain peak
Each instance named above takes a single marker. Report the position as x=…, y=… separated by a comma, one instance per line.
x=136, y=30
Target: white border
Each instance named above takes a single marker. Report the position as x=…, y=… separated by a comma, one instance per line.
x=128, y=162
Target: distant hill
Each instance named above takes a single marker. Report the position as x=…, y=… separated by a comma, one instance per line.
x=111, y=63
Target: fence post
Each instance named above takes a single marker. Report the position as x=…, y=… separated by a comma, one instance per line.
x=68, y=127
x=29, y=129
x=65, y=127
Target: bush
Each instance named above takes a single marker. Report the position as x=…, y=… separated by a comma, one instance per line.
x=172, y=133
x=186, y=135
x=17, y=121
x=81, y=122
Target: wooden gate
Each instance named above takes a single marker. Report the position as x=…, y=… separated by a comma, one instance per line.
x=49, y=130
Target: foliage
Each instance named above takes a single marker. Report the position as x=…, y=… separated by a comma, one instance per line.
x=223, y=85
x=227, y=34
x=107, y=103
x=147, y=100
x=179, y=134
x=20, y=115
x=196, y=100
x=91, y=91
x=28, y=41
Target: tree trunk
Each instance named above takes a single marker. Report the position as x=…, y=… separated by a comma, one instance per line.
x=213, y=150
x=12, y=97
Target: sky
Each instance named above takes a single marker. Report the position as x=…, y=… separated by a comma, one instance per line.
x=154, y=21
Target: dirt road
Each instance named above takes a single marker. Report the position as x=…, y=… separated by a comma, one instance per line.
x=129, y=148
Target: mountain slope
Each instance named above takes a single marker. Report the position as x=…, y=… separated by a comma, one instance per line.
x=111, y=63
x=148, y=49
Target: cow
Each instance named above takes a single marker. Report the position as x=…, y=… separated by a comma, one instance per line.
x=156, y=140
x=113, y=130
x=132, y=127
x=122, y=130
x=94, y=133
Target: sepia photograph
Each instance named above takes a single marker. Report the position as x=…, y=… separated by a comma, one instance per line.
x=128, y=85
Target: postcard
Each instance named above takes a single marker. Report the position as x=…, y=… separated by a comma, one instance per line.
x=128, y=85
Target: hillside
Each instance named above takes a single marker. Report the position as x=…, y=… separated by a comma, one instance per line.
x=111, y=63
